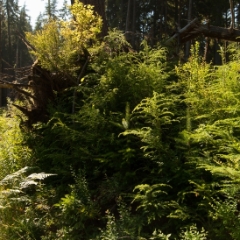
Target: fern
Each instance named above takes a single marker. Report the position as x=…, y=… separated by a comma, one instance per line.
x=156, y=113
x=152, y=200
x=40, y=176
x=158, y=235
x=23, y=205
x=192, y=233
x=16, y=175
x=156, y=109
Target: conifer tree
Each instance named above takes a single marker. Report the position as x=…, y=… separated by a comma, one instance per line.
x=63, y=12
x=51, y=9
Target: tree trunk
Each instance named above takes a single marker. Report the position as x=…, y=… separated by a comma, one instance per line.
x=49, y=9
x=9, y=30
x=133, y=25
x=232, y=14
x=99, y=7
x=188, y=45
x=1, y=4
x=127, y=30
x=178, y=21
x=206, y=48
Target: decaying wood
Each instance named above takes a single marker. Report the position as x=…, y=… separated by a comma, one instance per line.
x=227, y=34
x=195, y=29
x=37, y=87
x=10, y=85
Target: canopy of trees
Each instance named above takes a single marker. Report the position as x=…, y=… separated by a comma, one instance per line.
x=122, y=121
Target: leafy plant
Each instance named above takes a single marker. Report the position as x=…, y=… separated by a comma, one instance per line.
x=127, y=225
x=76, y=209
x=60, y=43
x=14, y=153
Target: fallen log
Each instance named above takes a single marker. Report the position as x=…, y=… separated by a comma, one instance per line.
x=184, y=30
x=229, y=34
x=195, y=29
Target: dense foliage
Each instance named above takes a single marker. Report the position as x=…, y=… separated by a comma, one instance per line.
x=137, y=148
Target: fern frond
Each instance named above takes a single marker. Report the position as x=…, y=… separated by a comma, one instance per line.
x=20, y=199
x=31, y=179
x=9, y=192
x=26, y=184
x=13, y=176
x=40, y=176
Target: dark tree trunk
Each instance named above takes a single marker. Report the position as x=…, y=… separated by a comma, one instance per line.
x=1, y=4
x=133, y=24
x=9, y=31
x=188, y=43
x=127, y=29
x=232, y=14
x=99, y=7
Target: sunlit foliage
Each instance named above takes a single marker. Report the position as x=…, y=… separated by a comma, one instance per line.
x=60, y=43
